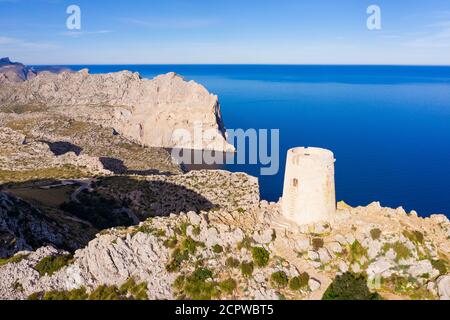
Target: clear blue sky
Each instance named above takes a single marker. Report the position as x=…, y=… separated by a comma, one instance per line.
x=226, y=31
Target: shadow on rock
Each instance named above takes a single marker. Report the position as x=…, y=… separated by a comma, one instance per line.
x=117, y=166
x=60, y=148
x=68, y=214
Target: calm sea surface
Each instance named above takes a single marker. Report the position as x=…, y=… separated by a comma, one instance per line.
x=389, y=127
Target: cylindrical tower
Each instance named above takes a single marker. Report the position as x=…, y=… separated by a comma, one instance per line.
x=309, y=193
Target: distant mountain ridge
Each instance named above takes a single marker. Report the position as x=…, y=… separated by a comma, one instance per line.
x=18, y=72
x=15, y=71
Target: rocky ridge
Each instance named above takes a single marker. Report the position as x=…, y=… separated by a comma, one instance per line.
x=248, y=253
x=148, y=112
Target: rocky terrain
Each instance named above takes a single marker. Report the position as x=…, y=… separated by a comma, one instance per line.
x=241, y=251
x=147, y=112
x=15, y=71
x=90, y=210
x=18, y=72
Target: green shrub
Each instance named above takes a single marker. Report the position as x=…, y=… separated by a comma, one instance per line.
x=134, y=290
x=104, y=292
x=296, y=283
x=35, y=296
x=401, y=251
x=14, y=259
x=232, y=262
x=245, y=243
x=202, y=274
x=182, y=230
x=176, y=259
x=130, y=290
x=260, y=256
x=49, y=265
x=178, y=284
x=400, y=284
x=349, y=286
x=191, y=245
x=317, y=243
x=171, y=243
x=414, y=236
x=357, y=251
x=196, y=230
x=228, y=285
x=77, y=294
x=247, y=269
x=199, y=285
x=375, y=234
x=217, y=248
x=279, y=279
x=440, y=265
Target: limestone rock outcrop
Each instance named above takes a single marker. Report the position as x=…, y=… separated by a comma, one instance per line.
x=245, y=254
x=149, y=112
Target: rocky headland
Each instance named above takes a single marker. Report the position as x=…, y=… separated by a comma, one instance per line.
x=144, y=111
x=91, y=207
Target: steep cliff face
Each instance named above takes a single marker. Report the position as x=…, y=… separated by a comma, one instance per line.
x=146, y=111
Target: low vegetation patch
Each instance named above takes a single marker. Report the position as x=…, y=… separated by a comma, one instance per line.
x=401, y=251
x=171, y=243
x=149, y=229
x=415, y=236
x=440, y=265
x=197, y=286
x=357, y=251
x=51, y=264
x=408, y=286
x=245, y=243
x=350, y=286
x=279, y=279
x=130, y=290
x=247, y=269
x=232, y=262
x=191, y=245
x=14, y=259
x=260, y=256
x=217, y=248
x=64, y=172
x=176, y=259
x=181, y=253
x=317, y=243
x=375, y=234
x=228, y=286
x=297, y=283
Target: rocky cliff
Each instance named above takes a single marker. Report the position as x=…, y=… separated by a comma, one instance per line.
x=145, y=111
x=231, y=252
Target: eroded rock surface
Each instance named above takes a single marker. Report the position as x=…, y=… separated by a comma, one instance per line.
x=146, y=111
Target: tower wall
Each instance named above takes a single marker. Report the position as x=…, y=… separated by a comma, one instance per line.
x=309, y=192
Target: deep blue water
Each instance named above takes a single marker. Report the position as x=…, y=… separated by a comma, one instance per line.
x=389, y=126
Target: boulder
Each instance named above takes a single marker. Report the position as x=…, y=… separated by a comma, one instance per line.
x=420, y=268
x=314, y=284
x=443, y=287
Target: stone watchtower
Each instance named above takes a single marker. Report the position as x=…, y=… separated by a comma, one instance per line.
x=309, y=192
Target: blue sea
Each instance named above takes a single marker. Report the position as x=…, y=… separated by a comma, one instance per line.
x=389, y=126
